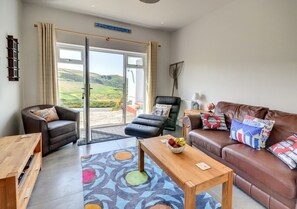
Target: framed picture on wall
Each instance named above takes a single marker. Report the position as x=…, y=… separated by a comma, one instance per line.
x=194, y=105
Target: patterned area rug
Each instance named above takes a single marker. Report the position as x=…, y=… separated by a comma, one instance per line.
x=111, y=181
x=106, y=134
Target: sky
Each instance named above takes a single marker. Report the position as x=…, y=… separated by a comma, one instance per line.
x=106, y=63
x=102, y=63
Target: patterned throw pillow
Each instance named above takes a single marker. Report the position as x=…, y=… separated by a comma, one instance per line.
x=246, y=134
x=49, y=114
x=213, y=121
x=161, y=110
x=286, y=151
x=266, y=126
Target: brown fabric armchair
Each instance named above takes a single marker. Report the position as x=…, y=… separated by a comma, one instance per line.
x=55, y=133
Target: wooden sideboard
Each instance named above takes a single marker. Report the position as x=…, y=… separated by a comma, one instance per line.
x=20, y=155
x=190, y=112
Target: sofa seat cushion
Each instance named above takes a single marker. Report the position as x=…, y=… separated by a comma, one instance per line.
x=211, y=140
x=263, y=167
x=60, y=127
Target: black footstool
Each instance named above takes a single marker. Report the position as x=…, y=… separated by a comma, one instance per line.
x=146, y=126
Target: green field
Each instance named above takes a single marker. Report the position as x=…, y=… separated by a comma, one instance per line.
x=106, y=92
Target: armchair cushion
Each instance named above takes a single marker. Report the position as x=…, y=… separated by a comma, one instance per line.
x=49, y=114
x=60, y=127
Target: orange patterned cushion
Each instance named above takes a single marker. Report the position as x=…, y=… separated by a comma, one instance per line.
x=49, y=114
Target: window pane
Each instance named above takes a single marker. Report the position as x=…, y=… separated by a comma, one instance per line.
x=70, y=54
x=135, y=61
x=70, y=66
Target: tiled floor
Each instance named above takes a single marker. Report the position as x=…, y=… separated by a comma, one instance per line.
x=59, y=183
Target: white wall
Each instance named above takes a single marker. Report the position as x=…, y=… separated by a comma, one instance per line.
x=245, y=52
x=10, y=11
x=77, y=22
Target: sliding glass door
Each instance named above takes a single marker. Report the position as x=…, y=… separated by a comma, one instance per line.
x=107, y=86
x=107, y=99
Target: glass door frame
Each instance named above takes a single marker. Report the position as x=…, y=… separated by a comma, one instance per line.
x=86, y=87
x=126, y=55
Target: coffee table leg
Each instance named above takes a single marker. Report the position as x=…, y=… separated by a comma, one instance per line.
x=190, y=196
x=140, y=158
x=227, y=192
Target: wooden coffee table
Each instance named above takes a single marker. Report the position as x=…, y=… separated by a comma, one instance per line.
x=183, y=170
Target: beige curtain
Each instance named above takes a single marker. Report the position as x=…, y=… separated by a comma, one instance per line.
x=47, y=64
x=151, y=76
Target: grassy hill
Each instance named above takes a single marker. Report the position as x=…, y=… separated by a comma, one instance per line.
x=106, y=92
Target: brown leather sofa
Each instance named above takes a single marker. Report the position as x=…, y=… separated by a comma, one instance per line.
x=258, y=173
x=55, y=133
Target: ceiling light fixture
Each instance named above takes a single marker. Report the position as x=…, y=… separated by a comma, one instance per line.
x=149, y=1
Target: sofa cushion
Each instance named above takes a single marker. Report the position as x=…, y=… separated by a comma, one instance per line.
x=286, y=151
x=285, y=125
x=246, y=134
x=211, y=140
x=213, y=121
x=263, y=167
x=266, y=126
x=60, y=127
x=238, y=111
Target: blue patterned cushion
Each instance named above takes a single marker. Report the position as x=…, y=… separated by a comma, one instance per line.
x=266, y=126
x=246, y=134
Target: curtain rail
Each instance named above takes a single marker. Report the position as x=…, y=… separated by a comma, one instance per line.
x=107, y=38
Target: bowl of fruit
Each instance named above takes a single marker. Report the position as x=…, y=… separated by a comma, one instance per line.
x=176, y=145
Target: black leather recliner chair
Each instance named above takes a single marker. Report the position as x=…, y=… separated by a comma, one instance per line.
x=148, y=125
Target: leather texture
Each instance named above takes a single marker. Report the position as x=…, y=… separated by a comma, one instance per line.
x=258, y=173
x=264, y=167
x=192, y=122
x=265, y=199
x=142, y=131
x=60, y=127
x=54, y=134
x=155, y=123
x=238, y=111
x=285, y=126
x=211, y=140
x=148, y=125
x=170, y=124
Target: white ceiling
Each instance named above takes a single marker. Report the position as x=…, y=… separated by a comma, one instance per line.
x=165, y=15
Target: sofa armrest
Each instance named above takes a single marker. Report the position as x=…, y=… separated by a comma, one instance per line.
x=192, y=122
x=69, y=114
x=35, y=124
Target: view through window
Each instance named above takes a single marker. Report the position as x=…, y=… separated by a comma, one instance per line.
x=116, y=78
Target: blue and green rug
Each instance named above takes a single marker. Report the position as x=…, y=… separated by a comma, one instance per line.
x=111, y=181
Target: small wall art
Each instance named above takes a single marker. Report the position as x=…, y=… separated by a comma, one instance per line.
x=13, y=58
